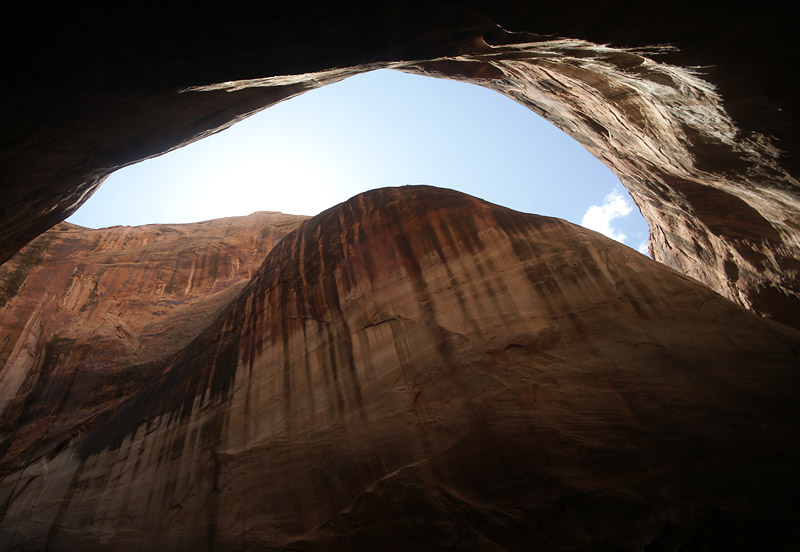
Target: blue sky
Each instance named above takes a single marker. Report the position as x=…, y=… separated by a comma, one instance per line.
x=377, y=129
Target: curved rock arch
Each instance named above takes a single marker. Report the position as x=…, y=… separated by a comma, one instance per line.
x=699, y=127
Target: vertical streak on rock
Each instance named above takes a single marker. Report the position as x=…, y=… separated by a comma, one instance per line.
x=213, y=504
x=248, y=358
x=421, y=293
x=287, y=365
x=444, y=230
x=343, y=337
x=366, y=356
x=327, y=371
x=433, y=239
x=307, y=370
x=410, y=372
x=63, y=506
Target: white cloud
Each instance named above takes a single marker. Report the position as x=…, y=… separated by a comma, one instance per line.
x=599, y=217
x=643, y=248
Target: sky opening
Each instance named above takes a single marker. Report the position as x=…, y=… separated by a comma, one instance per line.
x=383, y=128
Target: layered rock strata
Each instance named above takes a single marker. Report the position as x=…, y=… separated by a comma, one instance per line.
x=416, y=369
x=86, y=315
x=692, y=106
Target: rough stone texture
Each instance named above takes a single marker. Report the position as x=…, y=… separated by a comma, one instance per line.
x=87, y=315
x=416, y=369
x=691, y=105
x=662, y=130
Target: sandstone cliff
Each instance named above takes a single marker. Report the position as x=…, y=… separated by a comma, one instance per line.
x=417, y=369
x=85, y=315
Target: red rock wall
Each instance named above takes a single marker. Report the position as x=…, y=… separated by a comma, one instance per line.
x=417, y=369
x=720, y=208
x=85, y=315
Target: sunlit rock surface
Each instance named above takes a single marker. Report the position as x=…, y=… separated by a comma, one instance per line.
x=86, y=315
x=692, y=106
x=719, y=206
x=416, y=369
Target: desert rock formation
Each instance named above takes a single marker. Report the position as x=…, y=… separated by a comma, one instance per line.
x=416, y=369
x=692, y=106
x=86, y=315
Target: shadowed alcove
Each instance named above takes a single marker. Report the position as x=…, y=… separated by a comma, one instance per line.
x=710, y=172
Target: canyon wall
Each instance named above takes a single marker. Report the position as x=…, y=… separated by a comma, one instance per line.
x=692, y=106
x=87, y=315
x=416, y=369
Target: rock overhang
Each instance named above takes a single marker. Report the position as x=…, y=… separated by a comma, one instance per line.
x=700, y=129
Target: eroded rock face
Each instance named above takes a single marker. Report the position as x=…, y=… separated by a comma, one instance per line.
x=86, y=316
x=719, y=206
x=418, y=369
x=693, y=108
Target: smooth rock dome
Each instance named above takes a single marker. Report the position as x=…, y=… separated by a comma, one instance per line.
x=417, y=369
